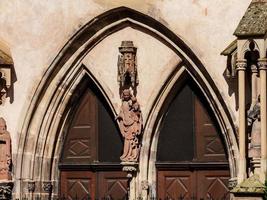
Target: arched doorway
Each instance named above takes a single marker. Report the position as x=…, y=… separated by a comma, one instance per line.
x=89, y=161
x=43, y=128
x=191, y=158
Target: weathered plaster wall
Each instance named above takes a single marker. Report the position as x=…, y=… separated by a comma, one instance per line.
x=36, y=31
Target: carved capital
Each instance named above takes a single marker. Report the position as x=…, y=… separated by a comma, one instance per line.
x=31, y=186
x=254, y=69
x=6, y=190
x=130, y=168
x=262, y=63
x=232, y=183
x=47, y=186
x=241, y=65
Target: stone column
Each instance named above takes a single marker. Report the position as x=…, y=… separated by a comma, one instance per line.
x=262, y=68
x=241, y=67
x=254, y=82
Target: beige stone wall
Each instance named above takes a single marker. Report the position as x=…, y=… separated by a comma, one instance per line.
x=36, y=31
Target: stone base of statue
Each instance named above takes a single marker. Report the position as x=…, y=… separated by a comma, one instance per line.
x=130, y=168
x=6, y=190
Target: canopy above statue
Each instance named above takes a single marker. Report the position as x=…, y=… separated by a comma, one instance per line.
x=254, y=22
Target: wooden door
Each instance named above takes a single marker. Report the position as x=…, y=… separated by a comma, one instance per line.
x=209, y=145
x=112, y=185
x=81, y=141
x=89, y=164
x=77, y=185
x=193, y=185
x=191, y=159
x=213, y=184
x=175, y=185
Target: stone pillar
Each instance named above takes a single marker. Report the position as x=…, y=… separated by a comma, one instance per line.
x=262, y=68
x=241, y=67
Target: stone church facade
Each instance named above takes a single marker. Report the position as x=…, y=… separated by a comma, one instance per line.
x=133, y=99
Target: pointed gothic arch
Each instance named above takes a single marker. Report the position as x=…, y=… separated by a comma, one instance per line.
x=179, y=77
x=37, y=159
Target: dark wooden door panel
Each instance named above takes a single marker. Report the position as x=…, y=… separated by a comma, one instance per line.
x=209, y=146
x=81, y=145
x=175, y=184
x=112, y=185
x=213, y=185
x=99, y=185
x=196, y=185
x=77, y=185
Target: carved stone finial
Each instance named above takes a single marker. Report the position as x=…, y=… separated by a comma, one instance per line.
x=127, y=67
x=5, y=152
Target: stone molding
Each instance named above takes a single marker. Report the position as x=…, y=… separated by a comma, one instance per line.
x=42, y=119
x=262, y=63
x=241, y=65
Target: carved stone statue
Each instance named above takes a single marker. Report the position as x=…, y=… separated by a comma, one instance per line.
x=254, y=150
x=130, y=124
x=127, y=67
x=5, y=152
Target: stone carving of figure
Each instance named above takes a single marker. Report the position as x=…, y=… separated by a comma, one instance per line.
x=254, y=150
x=5, y=152
x=130, y=124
